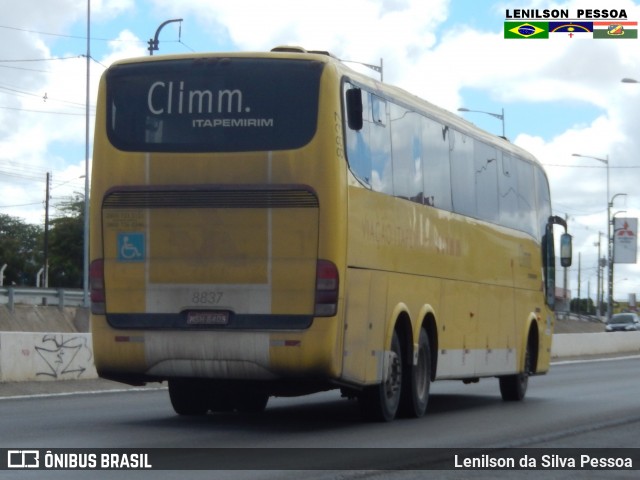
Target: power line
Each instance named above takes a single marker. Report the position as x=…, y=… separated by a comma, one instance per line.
x=40, y=59
x=26, y=69
x=30, y=172
x=43, y=60
x=75, y=37
x=22, y=205
x=84, y=38
x=42, y=111
x=21, y=175
x=95, y=61
x=583, y=212
x=184, y=44
x=590, y=166
x=17, y=92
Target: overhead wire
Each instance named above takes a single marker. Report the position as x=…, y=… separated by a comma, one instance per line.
x=76, y=37
x=84, y=38
x=14, y=172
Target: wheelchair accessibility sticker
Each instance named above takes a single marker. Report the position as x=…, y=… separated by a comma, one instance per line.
x=131, y=247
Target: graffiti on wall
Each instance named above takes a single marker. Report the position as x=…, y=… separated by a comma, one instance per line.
x=64, y=356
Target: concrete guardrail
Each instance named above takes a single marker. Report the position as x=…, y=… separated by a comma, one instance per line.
x=27, y=356
x=581, y=344
x=62, y=297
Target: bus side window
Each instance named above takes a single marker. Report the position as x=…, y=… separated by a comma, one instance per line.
x=380, y=146
x=357, y=141
x=435, y=163
x=406, y=151
x=378, y=110
x=508, y=192
x=486, y=179
x=463, y=179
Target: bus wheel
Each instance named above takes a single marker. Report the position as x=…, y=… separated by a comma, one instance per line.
x=220, y=401
x=187, y=398
x=380, y=402
x=514, y=387
x=415, y=395
x=251, y=402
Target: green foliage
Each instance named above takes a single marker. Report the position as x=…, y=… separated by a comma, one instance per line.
x=22, y=248
x=66, y=246
x=583, y=306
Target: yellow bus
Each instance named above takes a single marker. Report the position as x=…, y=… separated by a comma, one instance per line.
x=277, y=224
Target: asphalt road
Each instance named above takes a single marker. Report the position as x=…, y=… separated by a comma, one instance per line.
x=582, y=405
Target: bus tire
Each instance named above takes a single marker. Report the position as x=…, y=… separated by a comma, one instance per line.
x=415, y=395
x=380, y=402
x=513, y=388
x=251, y=402
x=220, y=401
x=187, y=398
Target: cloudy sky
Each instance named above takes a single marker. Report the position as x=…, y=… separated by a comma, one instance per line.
x=560, y=96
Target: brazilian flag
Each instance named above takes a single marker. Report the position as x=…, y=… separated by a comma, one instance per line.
x=526, y=29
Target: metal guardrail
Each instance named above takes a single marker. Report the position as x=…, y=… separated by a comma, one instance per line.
x=60, y=297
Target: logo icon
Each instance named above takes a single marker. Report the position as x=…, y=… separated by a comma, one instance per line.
x=625, y=231
x=615, y=30
x=23, y=459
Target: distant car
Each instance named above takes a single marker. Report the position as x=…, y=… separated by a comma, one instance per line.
x=623, y=322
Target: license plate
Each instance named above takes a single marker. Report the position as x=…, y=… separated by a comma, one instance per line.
x=207, y=318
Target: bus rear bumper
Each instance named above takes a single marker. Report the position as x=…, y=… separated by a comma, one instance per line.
x=136, y=357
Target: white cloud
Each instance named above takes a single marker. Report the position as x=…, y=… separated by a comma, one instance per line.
x=42, y=122
x=126, y=45
x=361, y=29
x=418, y=56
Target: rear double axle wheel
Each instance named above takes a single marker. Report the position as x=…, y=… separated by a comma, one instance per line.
x=405, y=388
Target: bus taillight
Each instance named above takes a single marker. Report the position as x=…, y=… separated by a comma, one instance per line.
x=96, y=280
x=327, y=282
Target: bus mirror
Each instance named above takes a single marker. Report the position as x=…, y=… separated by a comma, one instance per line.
x=565, y=250
x=354, y=109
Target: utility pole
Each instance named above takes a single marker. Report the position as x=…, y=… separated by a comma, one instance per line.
x=85, y=249
x=45, y=280
x=567, y=301
x=599, y=285
x=579, y=274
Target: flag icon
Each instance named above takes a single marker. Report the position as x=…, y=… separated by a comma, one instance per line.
x=526, y=30
x=615, y=30
x=571, y=29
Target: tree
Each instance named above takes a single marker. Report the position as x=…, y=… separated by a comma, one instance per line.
x=20, y=249
x=583, y=306
x=66, y=246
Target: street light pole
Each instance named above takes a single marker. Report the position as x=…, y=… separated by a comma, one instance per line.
x=610, y=236
x=600, y=282
x=499, y=116
x=611, y=255
x=376, y=68
x=153, y=42
x=609, y=239
x=85, y=250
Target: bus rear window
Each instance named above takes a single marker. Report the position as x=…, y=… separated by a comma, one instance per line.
x=213, y=104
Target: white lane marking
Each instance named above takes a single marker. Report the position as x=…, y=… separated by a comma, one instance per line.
x=88, y=392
